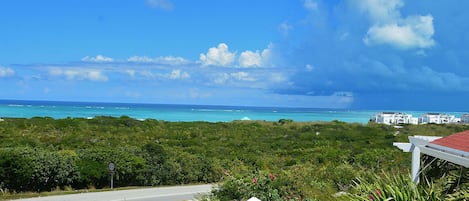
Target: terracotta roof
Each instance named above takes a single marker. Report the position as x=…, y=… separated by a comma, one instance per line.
x=458, y=141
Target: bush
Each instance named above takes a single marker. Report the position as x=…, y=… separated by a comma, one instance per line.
x=16, y=169
x=25, y=168
x=53, y=169
x=264, y=186
x=93, y=166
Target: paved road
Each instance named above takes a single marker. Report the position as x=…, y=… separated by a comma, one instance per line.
x=176, y=193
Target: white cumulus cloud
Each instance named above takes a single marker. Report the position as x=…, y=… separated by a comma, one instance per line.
x=79, y=74
x=218, y=56
x=6, y=72
x=250, y=58
x=99, y=58
x=255, y=59
x=414, y=32
x=390, y=28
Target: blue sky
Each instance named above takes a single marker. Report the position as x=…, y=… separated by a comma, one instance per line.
x=357, y=54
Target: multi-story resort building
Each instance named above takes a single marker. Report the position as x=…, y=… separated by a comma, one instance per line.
x=465, y=119
x=438, y=118
x=394, y=118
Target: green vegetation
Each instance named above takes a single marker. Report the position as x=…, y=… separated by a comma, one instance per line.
x=402, y=188
x=282, y=160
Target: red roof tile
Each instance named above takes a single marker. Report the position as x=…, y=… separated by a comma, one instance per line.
x=459, y=141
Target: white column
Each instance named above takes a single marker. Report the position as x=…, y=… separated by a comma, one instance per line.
x=415, y=164
x=414, y=146
x=416, y=142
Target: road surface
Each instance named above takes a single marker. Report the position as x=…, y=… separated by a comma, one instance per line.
x=176, y=193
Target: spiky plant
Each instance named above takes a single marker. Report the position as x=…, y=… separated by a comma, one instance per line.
x=400, y=187
x=385, y=187
x=452, y=180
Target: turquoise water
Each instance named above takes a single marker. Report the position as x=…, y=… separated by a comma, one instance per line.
x=28, y=109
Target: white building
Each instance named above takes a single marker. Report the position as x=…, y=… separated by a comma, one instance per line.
x=393, y=118
x=438, y=118
x=465, y=119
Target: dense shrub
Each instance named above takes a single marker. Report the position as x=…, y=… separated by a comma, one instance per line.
x=129, y=166
x=309, y=159
x=53, y=169
x=16, y=169
x=25, y=168
x=265, y=186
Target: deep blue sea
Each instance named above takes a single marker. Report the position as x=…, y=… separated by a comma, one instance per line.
x=57, y=110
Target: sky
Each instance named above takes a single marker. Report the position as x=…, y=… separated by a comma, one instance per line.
x=344, y=54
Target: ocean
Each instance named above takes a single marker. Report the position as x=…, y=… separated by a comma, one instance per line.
x=178, y=113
